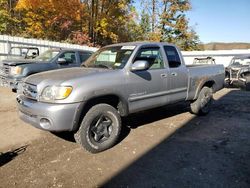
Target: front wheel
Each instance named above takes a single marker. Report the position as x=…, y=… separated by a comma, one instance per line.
x=202, y=105
x=100, y=128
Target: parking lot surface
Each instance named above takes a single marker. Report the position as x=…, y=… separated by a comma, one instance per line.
x=164, y=147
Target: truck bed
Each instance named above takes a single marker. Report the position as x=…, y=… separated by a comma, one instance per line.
x=198, y=74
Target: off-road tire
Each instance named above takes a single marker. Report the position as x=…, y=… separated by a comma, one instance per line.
x=202, y=105
x=94, y=124
x=247, y=83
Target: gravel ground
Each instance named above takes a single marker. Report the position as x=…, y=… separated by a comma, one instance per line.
x=165, y=147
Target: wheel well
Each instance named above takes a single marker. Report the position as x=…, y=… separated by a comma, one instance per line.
x=112, y=100
x=209, y=84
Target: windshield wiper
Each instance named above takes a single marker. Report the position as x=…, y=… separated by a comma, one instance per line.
x=97, y=66
x=104, y=66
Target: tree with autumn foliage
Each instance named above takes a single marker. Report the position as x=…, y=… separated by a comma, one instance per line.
x=99, y=22
x=93, y=22
x=8, y=19
x=107, y=20
x=53, y=19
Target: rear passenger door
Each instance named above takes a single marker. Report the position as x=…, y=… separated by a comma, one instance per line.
x=178, y=75
x=148, y=87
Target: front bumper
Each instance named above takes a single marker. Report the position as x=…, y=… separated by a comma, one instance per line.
x=9, y=82
x=45, y=116
x=239, y=82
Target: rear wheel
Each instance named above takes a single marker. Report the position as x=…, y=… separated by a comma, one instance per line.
x=202, y=105
x=100, y=128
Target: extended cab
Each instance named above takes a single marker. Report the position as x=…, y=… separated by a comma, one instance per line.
x=13, y=71
x=116, y=81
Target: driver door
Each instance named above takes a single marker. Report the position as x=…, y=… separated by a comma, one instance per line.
x=148, y=87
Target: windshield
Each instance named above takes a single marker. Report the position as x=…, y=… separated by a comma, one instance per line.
x=47, y=55
x=239, y=61
x=110, y=57
x=17, y=53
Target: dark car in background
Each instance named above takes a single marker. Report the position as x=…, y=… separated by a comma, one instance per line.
x=238, y=72
x=13, y=71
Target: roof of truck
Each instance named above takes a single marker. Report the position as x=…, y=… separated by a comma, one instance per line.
x=140, y=43
x=70, y=49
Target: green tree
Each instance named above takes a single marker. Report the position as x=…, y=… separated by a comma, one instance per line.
x=174, y=25
x=131, y=31
x=145, y=25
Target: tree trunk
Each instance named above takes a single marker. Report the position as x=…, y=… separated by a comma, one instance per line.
x=163, y=22
x=153, y=15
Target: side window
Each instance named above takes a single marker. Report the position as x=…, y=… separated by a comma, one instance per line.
x=153, y=56
x=70, y=57
x=84, y=56
x=173, y=56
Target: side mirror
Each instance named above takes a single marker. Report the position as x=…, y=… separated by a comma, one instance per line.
x=140, y=65
x=61, y=61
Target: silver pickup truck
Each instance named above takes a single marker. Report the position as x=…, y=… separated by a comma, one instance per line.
x=115, y=81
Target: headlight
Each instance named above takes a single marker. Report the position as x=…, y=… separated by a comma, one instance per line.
x=52, y=93
x=15, y=70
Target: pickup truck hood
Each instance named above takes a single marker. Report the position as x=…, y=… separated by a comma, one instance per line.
x=15, y=62
x=56, y=77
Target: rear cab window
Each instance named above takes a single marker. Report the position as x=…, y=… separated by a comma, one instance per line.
x=173, y=57
x=84, y=56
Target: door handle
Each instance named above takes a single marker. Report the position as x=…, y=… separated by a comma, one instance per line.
x=163, y=75
x=174, y=74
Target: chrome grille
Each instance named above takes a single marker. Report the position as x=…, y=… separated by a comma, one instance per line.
x=4, y=70
x=30, y=91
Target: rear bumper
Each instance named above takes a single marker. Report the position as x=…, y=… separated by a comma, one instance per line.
x=45, y=116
